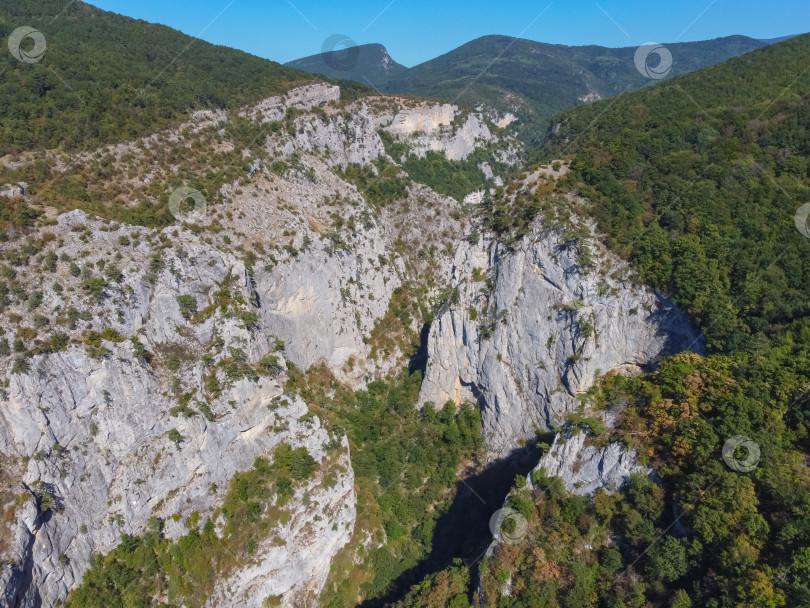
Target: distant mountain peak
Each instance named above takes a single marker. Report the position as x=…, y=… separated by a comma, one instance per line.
x=366, y=63
x=377, y=55
x=386, y=62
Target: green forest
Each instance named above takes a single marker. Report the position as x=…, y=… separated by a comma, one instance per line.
x=696, y=181
x=133, y=78
x=707, y=535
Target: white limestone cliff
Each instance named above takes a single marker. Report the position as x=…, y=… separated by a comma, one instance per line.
x=532, y=329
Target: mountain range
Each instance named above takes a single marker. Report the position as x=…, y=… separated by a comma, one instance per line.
x=530, y=80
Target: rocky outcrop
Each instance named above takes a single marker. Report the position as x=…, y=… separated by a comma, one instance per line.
x=586, y=468
x=336, y=139
x=354, y=138
x=302, y=98
x=309, y=303
x=10, y=190
x=433, y=128
x=116, y=466
x=428, y=120
x=300, y=554
x=95, y=428
x=534, y=326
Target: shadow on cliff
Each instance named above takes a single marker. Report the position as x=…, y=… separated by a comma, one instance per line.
x=418, y=361
x=463, y=531
x=23, y=577
x=677, y=332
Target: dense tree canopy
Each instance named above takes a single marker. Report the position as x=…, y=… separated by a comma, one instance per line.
x=106, y=78
x=697, y=181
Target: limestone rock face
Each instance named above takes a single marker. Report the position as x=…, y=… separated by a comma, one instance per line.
x=303, y=304
x=302, y=98
x=96, y=433
x=299, y=557
x=532, y=328
x=287, y=265
x=423, y=120
x=431, y=128
x=584, y=469
x=118, y=467
x=338, y=138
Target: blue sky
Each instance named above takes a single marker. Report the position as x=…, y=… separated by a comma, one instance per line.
x=418, y=30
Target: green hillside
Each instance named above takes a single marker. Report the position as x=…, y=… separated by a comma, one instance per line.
x=106, y=78
x=707, y=535
x=697, y=182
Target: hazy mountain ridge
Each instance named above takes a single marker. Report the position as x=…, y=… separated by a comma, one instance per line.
x=369, y=64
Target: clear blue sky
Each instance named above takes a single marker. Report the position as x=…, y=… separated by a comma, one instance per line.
x=418, y=30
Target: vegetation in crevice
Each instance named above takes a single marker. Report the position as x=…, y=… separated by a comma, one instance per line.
x=454, y=178
x=406, y=465
x=381, y=184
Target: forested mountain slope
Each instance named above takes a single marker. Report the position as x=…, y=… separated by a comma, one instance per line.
x=698, y=182
x=107, y=78
x=701, y=182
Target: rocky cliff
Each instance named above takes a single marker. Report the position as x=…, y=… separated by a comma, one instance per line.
x=92, y=425
x=586, y=468
x=535, y=324
x=143, y=368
